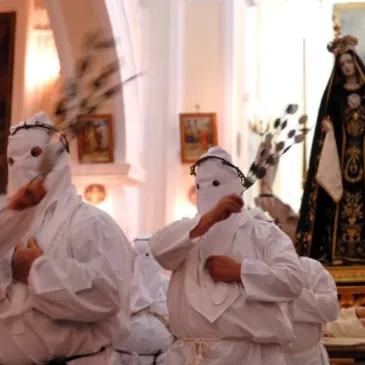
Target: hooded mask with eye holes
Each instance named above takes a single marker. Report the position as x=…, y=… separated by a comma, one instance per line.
x=147, y=278
x=28, y=141
x=216, y=179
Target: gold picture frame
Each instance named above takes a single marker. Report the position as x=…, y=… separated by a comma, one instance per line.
x=96, y=145
x=198, y=132
x=350, y=17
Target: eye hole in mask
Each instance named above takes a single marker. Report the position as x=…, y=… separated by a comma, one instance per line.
x=216, y=183
x=10, y=161
x=36, y=151
x=198, y=186
x=147, y=254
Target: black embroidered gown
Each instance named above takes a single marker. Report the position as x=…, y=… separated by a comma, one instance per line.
x=334, y=233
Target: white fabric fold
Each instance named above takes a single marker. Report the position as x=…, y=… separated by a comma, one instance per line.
x=316, y=305
x=78, y=295
x=347, y=325
x=329, y=175
x=214, y=180
x=147, y=277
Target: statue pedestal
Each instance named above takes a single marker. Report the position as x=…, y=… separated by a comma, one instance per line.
x=350, y=281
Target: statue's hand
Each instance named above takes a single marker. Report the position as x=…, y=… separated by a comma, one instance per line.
x=327, y=124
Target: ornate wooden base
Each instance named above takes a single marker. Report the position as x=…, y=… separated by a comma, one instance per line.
x=350, y=282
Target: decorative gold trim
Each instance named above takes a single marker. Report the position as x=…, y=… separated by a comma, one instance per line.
x=335, y=226
x=337, y=7
x=347, y=274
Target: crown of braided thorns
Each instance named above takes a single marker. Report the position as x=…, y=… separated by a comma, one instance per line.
x=223, y=161
x=266, y=158
x=48, y=127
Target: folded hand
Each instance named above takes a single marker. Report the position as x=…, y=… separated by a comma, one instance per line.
x=23, y=259
x=223, y=268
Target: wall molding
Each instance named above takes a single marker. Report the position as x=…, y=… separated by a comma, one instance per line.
x=107, y=174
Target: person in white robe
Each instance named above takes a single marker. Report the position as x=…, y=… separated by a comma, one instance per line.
x=17, y=213
x=270, y=203
x=65, y=288
x=150, y=335
x=317, y=305
x=234, y=278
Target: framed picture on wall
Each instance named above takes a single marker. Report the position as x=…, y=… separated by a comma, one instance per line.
x=96, y=145
x=351, y=18
x=198, y=132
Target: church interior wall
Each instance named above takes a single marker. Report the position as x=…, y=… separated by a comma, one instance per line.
x=202, y=77
x=224, y=56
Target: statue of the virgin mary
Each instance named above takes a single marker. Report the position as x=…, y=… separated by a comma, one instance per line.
x=331, y=226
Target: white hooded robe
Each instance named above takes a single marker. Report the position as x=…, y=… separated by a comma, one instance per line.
x=316, y=306
x=237, y=323
x=150, y=335
x=77, y=288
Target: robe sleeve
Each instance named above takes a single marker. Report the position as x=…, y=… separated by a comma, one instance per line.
x=14, y=224
x=92, y=285
x=171, y=244
x=318, y=302
x=277, y=275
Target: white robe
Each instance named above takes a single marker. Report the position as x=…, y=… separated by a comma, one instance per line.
x=317, y=305
x=74, y=294
x=251, y=329
x=148, y=334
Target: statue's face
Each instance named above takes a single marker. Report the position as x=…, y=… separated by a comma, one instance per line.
x=347, y=65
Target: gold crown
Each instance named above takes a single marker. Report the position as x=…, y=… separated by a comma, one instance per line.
x=341, y=44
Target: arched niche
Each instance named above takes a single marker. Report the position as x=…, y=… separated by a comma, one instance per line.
x=70, y=21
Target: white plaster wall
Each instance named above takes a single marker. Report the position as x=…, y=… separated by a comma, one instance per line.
x=203, y=78
x=158, y=127
x=190, y=60
x=210, y=77
x=203, y=61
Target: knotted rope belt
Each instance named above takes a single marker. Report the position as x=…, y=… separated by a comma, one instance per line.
x=155, y=314
x=162, y=319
